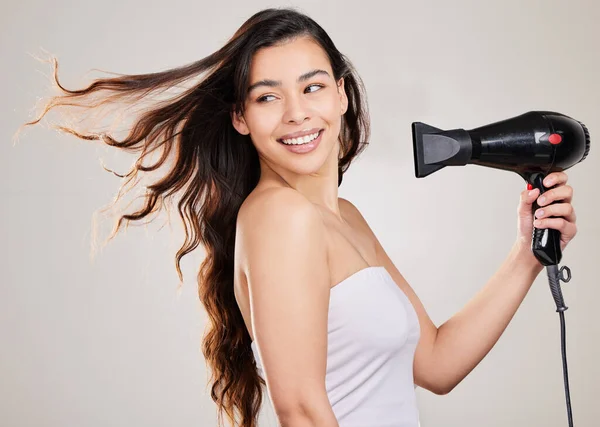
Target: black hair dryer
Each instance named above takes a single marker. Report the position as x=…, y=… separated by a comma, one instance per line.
x=533, y=145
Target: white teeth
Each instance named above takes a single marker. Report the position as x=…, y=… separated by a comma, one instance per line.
x=301, y=140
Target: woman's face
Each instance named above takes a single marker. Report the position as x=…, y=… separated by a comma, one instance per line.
x=293, y=93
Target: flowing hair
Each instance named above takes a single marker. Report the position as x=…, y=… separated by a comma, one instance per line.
x=214, y=169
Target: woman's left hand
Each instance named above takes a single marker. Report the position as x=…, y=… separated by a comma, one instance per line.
x=563, y=211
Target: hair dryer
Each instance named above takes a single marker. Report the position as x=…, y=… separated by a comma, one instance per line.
x=533, y=145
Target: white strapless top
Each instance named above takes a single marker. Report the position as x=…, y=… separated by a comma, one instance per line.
x=373, y=332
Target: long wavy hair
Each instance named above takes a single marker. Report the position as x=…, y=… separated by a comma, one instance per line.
x=214, y=169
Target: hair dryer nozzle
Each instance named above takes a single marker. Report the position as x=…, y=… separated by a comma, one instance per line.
x=434, y=148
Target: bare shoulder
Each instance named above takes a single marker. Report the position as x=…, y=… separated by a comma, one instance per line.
x=352, y=212
x=348, y=206
x=278, y=198
x=274, y=216
x=278, y=210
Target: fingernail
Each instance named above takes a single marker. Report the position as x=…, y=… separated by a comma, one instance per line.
x=539, y=213
x=531, y=193
x=542, y=199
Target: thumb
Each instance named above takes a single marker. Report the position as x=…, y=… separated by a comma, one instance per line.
x=527, y=199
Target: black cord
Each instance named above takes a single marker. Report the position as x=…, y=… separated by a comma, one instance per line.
x=563, y=341
x=555, y=276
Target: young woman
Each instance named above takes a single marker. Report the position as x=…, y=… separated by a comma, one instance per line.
x=300, y=294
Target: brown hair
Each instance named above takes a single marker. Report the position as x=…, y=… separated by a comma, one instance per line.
x=214, y=170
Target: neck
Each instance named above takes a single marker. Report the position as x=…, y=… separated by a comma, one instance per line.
x=320, y=188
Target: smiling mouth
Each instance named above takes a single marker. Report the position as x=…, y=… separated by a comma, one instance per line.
x=301, y=140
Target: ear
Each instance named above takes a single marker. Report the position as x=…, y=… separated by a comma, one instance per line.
x=239, y=123
x=343, y=96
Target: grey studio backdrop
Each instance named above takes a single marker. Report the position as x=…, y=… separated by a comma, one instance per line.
x=113, y=341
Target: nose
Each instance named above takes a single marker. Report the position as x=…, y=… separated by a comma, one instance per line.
x=295, y=110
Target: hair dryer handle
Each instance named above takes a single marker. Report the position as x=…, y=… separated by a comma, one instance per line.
x=545, y=243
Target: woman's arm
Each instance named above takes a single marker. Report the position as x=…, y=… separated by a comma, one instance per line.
x=282, y=238
x=445, y=355
x=464, y=340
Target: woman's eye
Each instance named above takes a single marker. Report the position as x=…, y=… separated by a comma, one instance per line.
x=315, y=85
x=263, y=98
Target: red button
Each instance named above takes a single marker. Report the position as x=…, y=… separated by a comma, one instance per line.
x=529, y=186
x=555, y=139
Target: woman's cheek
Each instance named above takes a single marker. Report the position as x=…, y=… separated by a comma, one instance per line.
x=265, y=123
x=330, y=111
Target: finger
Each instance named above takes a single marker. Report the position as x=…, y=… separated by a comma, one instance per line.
x=560, y=193
x=530, y=195
x=527, y=199
x=564, y=210
x=555, y=178
x=565, y=227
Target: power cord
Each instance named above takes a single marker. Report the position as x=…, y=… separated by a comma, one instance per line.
x=555, y=276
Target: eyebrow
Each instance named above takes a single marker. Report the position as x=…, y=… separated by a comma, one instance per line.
x=275, y=83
